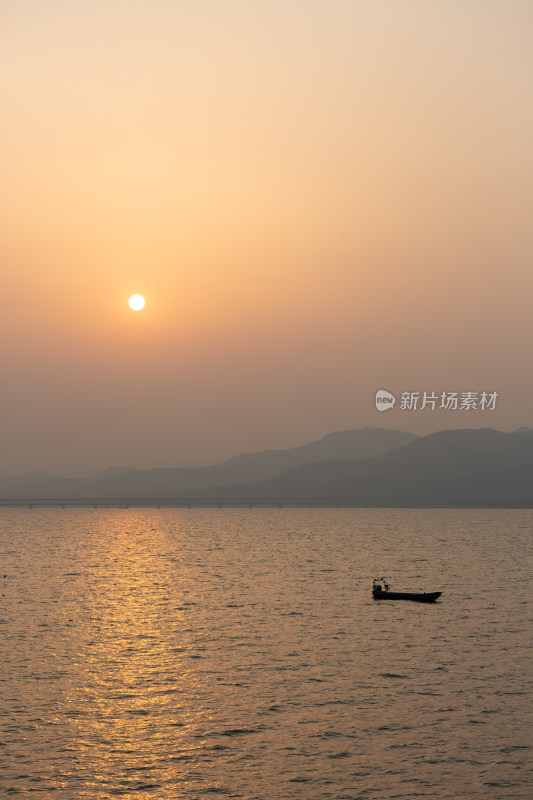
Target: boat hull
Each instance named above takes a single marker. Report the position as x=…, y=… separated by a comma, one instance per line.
x=420, y=597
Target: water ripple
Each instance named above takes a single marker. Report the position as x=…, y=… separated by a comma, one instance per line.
x=170, y=653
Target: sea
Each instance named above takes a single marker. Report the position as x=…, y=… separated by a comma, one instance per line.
x=238, y=653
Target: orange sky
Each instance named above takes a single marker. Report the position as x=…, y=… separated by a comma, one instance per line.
x=317, y=199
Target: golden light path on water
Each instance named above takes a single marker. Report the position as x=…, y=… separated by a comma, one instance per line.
x=132, y=677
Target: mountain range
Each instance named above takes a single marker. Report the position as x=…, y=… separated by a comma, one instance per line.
x=456, y=468
x=173, y=482
x=362, y=467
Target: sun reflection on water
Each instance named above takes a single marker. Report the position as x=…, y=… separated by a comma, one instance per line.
x=132, y=675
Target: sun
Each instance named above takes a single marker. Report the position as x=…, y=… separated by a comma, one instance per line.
x=136, y=302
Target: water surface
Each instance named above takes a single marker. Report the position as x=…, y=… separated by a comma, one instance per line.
x=187, y=653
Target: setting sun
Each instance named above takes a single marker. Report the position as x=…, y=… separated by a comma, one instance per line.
x=136, y=302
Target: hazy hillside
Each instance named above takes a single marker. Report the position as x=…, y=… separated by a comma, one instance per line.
x=462, y=467
x=43, y=486
x=117, y=482
x=369, y=467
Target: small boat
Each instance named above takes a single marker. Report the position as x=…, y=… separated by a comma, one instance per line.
x=384, y=592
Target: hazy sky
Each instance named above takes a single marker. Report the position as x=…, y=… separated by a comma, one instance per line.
x=318, y=199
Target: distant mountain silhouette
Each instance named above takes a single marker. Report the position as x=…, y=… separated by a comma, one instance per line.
x=168, y=482
x=368, y=467
x=107, y=473
x=480, y=467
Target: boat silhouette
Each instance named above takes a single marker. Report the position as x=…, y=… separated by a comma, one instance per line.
x=384, y=592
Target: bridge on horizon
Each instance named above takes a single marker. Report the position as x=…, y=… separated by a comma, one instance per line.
x=176, y=502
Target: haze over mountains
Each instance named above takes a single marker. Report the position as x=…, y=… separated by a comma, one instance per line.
x=367, y=467
x=169, y=482
x=478, y=468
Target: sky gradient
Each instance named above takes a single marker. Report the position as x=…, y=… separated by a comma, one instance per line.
x=317, y=200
